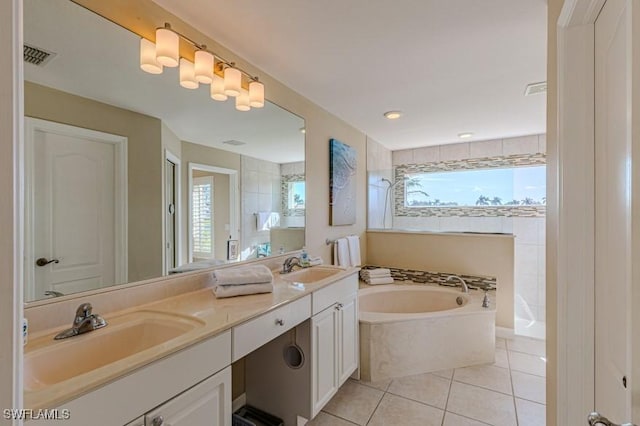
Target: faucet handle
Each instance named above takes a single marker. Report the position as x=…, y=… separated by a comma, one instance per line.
x=83, y=311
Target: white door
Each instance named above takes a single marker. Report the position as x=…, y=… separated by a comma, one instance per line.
x=613, y=264
x=324, y=344
x=348, y=348
x=74, y=210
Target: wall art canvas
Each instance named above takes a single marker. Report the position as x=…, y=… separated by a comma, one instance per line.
x=342, y=184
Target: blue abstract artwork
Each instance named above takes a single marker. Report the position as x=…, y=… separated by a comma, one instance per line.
x=342, y=184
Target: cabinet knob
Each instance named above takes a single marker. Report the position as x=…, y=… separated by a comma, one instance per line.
x=339, y=306
x=157, y=421
x=279, y=322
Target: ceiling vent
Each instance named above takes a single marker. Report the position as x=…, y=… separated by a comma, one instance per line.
x=536, y=88
x=36, y=56
x=234, y=142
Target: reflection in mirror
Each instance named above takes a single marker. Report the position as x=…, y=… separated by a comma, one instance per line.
x=128, y=176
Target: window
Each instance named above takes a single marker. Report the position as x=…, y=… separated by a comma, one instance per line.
x=296, y=195
x=516, y=186
x=202, y=216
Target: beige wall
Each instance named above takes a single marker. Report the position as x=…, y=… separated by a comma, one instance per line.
x=10, y=261
x=144, y=160
x=459, y=254
x=554, y=7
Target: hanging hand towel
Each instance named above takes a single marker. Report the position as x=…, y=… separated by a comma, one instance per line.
x=343, y=252
x=245, y=275
x=222, y=291
x=354, y=250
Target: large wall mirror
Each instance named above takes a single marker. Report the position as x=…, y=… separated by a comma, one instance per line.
x=129, y=176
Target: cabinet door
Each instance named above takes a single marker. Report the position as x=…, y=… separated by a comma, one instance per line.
x=324, y=344
x=348, y=335
x=206, y=404
x=137, y=422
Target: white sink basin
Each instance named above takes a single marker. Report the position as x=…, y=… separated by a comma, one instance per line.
x=310, y=275
x=124, y=336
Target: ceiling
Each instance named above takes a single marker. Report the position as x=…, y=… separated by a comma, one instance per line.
x=103, y=64
x=451, y=66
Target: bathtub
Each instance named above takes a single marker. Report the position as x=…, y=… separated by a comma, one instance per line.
x=413, y=329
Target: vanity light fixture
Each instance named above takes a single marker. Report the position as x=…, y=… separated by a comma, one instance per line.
x=167, y=46
x=243, y=102
x=392, y=115
x=232, y=81
x=148, y=61
x=225, y=78
x=217, y=89
x=467, y=135
x=204, y=66
x=187, y=74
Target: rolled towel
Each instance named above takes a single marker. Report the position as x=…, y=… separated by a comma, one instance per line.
x=222, y=291
x=254, y=274
x=376, y=281
x=376, y=272
x=315, y=261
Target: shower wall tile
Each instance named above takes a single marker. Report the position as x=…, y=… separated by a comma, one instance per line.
x=520, y=145
x=429, y=154
x=457, y=151
x=482, y=149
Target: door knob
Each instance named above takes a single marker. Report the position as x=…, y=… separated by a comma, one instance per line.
x=43, y=261
x=595, y=419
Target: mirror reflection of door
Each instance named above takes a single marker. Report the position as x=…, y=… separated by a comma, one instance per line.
x=211, y=203
x=171, y=174
x=75, y=209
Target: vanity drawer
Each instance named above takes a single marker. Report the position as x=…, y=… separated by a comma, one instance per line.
x=330, y=294
x=252, y=334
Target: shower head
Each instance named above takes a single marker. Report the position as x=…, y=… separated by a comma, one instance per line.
x=392, y=184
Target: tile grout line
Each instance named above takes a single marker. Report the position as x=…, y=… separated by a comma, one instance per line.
x=378, y=405
x=446, y=404
x=513, y=391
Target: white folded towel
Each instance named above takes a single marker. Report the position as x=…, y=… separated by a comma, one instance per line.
x=254, y=274
x=222, y=291
x=315, y=261
x=342, y=251
x=354, y=250
x=375, y=281
x=376, y=272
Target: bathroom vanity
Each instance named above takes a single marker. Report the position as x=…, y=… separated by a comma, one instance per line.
x=169, y=361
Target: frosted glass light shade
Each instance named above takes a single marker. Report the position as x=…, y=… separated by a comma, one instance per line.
x=187, y=75
x=148, y=61
x=232, y=81
x=167, y=47
x=256, y=94
x=217, y=89
x=204, y=66
x=242, y=101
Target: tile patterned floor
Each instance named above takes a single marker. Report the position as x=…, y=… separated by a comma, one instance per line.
x=510, y=392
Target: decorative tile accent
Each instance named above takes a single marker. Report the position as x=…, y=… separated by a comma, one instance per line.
x=439, y=278
x=517, y=160
x=284, y=192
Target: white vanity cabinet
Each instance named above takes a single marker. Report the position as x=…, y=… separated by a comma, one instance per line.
x=172, y=386
x=334, y=337
x=208, y=403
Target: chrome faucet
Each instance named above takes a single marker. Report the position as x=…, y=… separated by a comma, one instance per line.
x=84, y=322
x=465, y=287
x=289, y=263
x=53, y=293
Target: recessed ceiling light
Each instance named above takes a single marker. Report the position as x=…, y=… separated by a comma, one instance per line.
x=392, y=115
x=465, y=135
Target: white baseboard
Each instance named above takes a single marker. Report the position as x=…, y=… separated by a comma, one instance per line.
x=505, y=333
x=239, y=402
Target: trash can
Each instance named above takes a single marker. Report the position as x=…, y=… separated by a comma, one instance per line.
x=251, y=416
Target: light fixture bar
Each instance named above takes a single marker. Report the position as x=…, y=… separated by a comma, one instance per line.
x=202, y=47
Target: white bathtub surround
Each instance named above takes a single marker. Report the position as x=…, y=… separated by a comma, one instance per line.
x=407, y=330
